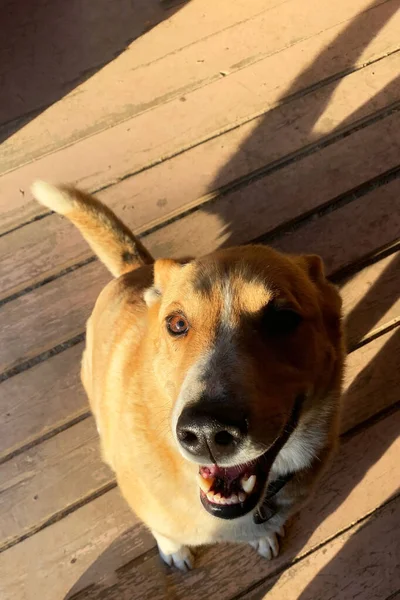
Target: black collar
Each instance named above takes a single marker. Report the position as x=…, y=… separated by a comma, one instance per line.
x=268, y=509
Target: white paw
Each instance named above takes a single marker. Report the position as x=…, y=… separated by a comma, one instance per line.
x=268, y=546
x=182, y=559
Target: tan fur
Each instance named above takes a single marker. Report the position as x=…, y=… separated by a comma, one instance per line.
x=108, y=237
x=134, y=372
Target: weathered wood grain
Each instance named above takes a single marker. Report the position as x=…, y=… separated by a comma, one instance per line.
x=69, y=547
x=126, y=38
x=41, y=400
x=371, y=298
x=371, y=380
x=106, y=157
x=309, y=100
x=50, y=314
x=361, y=562
x=43, y=248
x=361, y=223
x=48, y=478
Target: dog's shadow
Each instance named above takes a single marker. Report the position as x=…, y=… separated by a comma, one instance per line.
x=350, y=43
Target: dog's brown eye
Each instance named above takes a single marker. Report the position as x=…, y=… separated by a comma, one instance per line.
x=177, y=325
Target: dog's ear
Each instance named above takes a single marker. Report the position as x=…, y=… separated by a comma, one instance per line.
x=329, y=297
x=314, y=267
x=164, y=270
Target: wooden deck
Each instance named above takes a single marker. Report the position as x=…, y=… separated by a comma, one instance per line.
x=203, y=124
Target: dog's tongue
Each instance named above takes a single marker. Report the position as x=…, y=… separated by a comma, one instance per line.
x=227, y=474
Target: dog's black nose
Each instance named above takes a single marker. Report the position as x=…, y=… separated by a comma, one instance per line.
x=210, y=431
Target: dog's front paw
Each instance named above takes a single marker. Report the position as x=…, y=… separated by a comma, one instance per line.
x=174, y=554
x=268, y=546
x=182, y=559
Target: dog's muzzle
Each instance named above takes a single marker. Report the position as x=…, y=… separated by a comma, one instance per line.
x=232, y=492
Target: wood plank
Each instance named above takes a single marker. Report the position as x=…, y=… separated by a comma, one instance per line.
x=44, y=54
x=108, y=156
x=48, y=478
x=49, y=315
x=191, y=175
x=371, y=380
x=69, y=547
x=41, y=400
x=65, y=303
x=87, y=110
x=79, y=554
x=370, y=300
x=362, y=222
x=42, y=248
x=228, y=223
x=67, y=467
x=362, y=562
x=115, y=41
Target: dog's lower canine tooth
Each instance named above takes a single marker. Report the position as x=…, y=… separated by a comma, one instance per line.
x=205, y=484
x=248, y=484
x=242, y=496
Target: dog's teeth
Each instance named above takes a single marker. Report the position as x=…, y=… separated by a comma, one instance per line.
x=219, y=499
x=205, y=484
x=248, y=483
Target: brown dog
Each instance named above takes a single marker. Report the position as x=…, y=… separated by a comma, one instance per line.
x=214, y=382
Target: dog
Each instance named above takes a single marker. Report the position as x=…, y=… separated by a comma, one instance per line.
x=214, y=382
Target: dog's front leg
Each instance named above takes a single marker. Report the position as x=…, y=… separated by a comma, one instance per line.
x=286, y=503
x=173, y=554
x=267, y=545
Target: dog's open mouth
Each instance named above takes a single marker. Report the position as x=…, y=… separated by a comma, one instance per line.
x=232, y=492
x=229, y=493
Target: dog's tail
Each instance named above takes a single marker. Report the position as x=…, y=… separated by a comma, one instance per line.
x=111, y=240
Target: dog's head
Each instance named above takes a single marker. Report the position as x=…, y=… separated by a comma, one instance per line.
x=242, y=340
x=240, y=345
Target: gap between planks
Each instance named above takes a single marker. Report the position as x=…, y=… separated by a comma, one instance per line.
x=57, y=516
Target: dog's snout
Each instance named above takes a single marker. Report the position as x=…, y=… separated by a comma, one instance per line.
x=211, y=433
